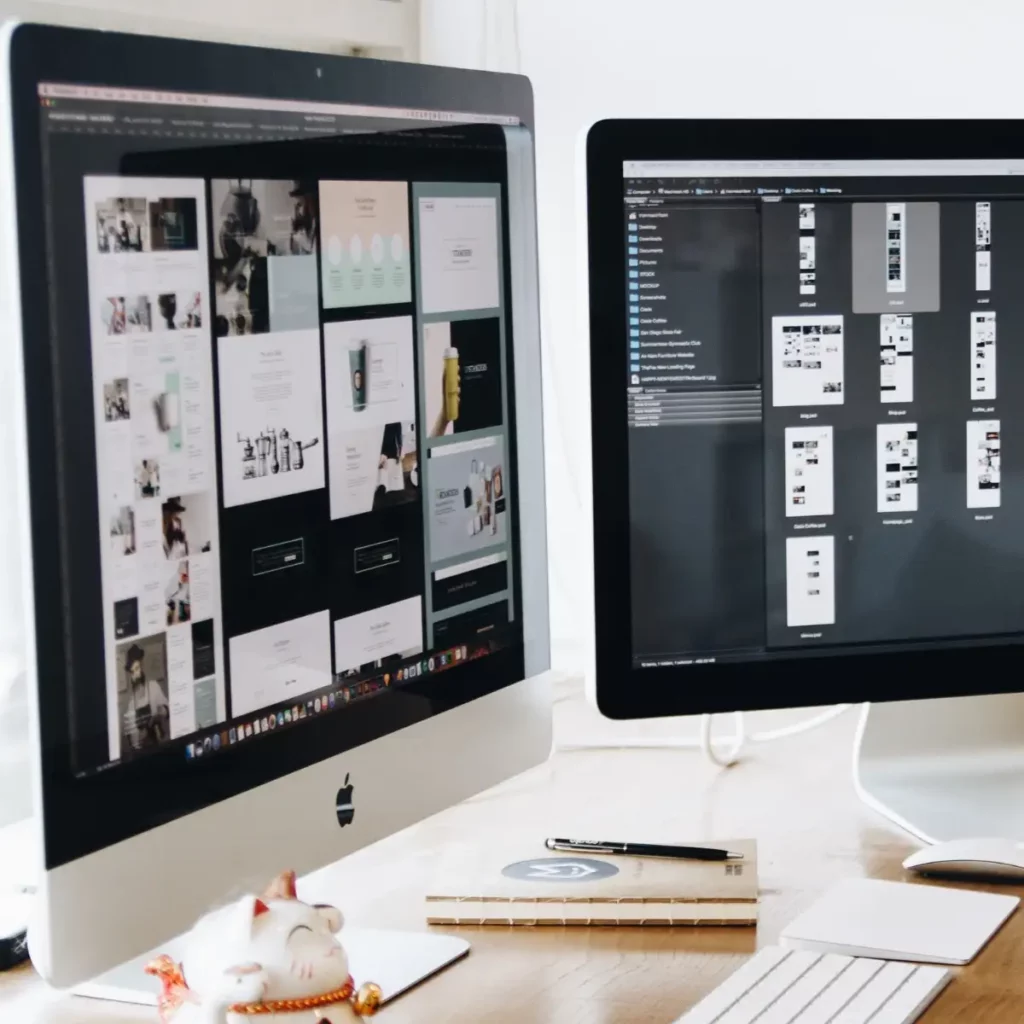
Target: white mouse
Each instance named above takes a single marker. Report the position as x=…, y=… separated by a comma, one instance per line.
x=1001, y=859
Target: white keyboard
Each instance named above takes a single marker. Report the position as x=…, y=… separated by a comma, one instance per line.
x=782, y=986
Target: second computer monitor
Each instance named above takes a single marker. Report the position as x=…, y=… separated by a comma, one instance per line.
x=806, y=417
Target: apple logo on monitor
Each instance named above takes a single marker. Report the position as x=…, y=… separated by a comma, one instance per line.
x=346, y=811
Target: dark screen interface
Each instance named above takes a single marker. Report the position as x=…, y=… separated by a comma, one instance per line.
x=823, y=371
x=283, y=344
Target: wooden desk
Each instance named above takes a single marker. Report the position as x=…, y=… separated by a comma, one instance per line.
x=795, y=796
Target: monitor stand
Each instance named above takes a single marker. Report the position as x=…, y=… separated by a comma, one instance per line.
x=950, y=768
x=395, y=960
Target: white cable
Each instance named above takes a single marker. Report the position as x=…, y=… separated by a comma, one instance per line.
x=706, y=744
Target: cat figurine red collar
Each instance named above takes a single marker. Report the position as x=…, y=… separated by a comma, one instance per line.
x=270, y=958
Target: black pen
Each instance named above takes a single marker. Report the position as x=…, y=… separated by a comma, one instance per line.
x=641, y=850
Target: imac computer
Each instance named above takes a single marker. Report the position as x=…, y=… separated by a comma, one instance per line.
x=274, y=323
x=805, y=362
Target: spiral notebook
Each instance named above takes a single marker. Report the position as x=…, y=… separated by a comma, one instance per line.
x=517, y=883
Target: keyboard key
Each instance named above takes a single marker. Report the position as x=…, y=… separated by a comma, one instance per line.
x=735, y=987
x=913, y=997
x=875, y=993
x=840, y=992
x=806, y=990
x=770, y=988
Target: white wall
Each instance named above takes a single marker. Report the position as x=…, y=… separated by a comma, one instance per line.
x=591, y=59
x=323, y=25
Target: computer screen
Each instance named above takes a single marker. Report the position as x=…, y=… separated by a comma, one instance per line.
x=283, y=375
x=822, y=366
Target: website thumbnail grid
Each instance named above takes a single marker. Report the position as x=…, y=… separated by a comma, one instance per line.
x=824, y=361
x=272, y=394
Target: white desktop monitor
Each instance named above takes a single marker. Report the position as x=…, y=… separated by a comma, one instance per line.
x=274, y=323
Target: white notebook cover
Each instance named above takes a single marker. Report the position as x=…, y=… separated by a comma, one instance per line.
x=899, y=921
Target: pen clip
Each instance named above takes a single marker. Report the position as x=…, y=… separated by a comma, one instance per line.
x=581, y=847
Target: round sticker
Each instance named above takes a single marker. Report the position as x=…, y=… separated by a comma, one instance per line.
x=355, y=249
x=334, y=250
x=377, y=249
x=560, y=869
x=397, y=247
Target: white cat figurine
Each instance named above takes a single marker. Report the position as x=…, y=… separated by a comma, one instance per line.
x=271, y=958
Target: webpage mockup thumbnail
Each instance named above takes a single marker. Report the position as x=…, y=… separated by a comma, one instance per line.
x=897, y=467
x=468, y=497
x=271, y=416
x=280, y=663
x=369, y=640
x=365, y=228
x=810, y=581
x=475, y=347
x=458, y=253
x=371, y=414
x=807, y=360
x=264, y=256
x=809, y=488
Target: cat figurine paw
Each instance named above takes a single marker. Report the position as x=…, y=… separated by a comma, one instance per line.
x=270, y=957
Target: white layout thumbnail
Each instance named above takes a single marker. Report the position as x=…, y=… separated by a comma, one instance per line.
x=896, y=247
x=983, y=356
x=280, y=663
x=458, y=249
x=897, y=357
x=808, y=259
x=271, y=416
x=363, y=641
x=807, y=252
x=153, y=402
x=983, y=464
x=982, y=247
x=371, y=414
x=809, y=488
x=810, y=581
x=897, y=467
x=807, y=360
